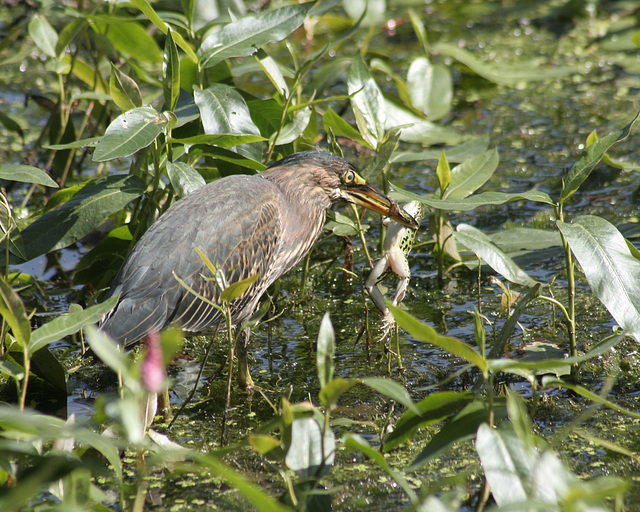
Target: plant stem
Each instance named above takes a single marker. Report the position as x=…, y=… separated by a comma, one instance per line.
x=571, y=297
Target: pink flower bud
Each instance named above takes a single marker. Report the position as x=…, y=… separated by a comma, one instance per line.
x=152, y=371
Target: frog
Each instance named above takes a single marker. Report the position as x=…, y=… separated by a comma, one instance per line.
x=397, y=245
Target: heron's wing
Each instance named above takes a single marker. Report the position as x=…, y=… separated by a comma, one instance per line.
x=235, y=222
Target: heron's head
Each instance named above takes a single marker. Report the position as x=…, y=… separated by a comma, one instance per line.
x=340, y=181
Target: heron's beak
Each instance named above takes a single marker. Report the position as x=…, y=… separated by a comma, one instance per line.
x=368, y=197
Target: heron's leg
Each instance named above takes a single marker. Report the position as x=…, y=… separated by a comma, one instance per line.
x=244, y=378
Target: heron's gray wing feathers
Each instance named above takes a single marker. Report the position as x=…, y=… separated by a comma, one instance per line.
x=239, y=240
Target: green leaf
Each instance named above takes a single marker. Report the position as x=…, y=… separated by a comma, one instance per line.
x=416, y=129
x=432, y=409
x=506, y=461
x=244, y=36
x=184, y=178
x=44, y=35
x=465, y=151
x=69, y=323
x=13, y=311
x=474, y=201
x=511, y=74
x=10, y=124
x=171, y=72
x=391, y=389
x=460, y=428
x=112, y=354
x=590, y=157
x=130, y=132
x=293, y=130
x=367, y=101
x=443, y=172
x=471, y=174
x=334, y=389
x=381, y=159
x=223, y=110
x=235, y=290
x=222, y=140
x=476, y=241
x=273, y=72
x=26, y=174
x=340, y=128
x=610, y=268
x=423, y=332
x=311, y=451
x=430, y=88
x=132, y=39
x=83, y=212
x=9, y=232
x=124, y=90
x=326, y=351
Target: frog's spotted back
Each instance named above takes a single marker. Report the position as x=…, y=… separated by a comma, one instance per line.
x=416, y=210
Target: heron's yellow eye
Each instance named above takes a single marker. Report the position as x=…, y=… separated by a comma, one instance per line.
x=349, y=177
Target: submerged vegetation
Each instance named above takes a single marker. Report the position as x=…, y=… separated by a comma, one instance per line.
x=525, y=397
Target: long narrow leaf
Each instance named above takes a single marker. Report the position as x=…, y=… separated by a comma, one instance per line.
x=425, y=333
x=476, y=241
x=610, y=268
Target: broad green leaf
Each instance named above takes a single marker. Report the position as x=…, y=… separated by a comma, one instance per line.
x=223, y=110
x=227, y=155
x=311, y=451
x=502, y=456
x=124, y=90
x=526, y=239
x=423, y=332
x=590, y=157
x=14, y=314
x=391, y=389
x=133, y=40
x=373, y=11
x=184, y=178
x=430, y=88
x=341, y=128
x=511, y=74
x=610, y=268
x=47, y=367
x=235, y=290
x=471, y=174
x=244, y=36
x=170, y=72
x=26, y=174
x=416, y=129
x=69, y=323
x=465, y=151
x=325, y=351
x=474, y=201
x=476, y=241
x=44, y=35
x=293, y=130
x=460, y=428
x=129, y=133
x=431, y=409
x=83, y=212
x=70, y=31
x=367, y=101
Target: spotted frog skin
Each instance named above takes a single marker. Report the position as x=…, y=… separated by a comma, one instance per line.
x=397, y=244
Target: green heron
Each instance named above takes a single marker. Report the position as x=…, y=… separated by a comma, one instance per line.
x=262, y=224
